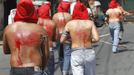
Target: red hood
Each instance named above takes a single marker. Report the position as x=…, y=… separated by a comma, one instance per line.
x=80, y=11
x=26, y=12
x=63, y=6
x=44, y=11
x=113, y=4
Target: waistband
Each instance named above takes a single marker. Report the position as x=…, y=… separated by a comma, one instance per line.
x=35, y=68
x=114, y=22
x=74, y=49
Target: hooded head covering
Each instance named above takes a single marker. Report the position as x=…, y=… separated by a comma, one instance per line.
x=63, y=6
x=113, y=4
x=80, y=11
x=25, y=12
x=44, y=10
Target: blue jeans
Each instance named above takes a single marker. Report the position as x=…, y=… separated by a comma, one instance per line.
x=67, y=56
x=64, y=56
x=83, y=61
x=50, y=66
x=25, y=71
x=114, y=31
x=121, y=30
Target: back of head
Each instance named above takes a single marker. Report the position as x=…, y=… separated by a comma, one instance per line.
x=25, y=12
x=113, y=4
x=63, y=6
x=44, y=10
x=80, y=11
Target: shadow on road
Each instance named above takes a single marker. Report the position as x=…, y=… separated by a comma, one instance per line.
x=125, y=50
x=126, y=42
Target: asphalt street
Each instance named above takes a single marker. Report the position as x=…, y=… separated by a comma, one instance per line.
x=108, y=63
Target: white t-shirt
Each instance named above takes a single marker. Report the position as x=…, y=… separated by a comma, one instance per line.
x=11, y=16
x=72, y=7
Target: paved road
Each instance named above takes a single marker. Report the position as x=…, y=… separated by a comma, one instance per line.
x=121, y=63
x=108, y=63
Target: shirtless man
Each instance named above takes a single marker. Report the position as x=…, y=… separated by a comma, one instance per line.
x=83, y=33
x=114, y=15
x=61, y=18
x=49, y=25
x=124, y=13
x=26, y=42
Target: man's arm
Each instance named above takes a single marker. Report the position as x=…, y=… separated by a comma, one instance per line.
x=6, y=48
x=95, y=35
x=65, y=33
x=54, y=35
x=125, y=12
x=106, y=17
x=54, y=32
x=44, y=49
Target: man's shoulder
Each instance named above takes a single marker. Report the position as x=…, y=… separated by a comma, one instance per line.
x=87, y=21
x=72, y=21
x=108, y=10
x=22, y=25
x=75, y=22
x=51, y=22
x=61, y=14
x=118, y=9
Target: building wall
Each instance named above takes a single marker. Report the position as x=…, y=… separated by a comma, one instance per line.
x=1, y=15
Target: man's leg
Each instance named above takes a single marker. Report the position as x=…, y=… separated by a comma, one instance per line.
x=67, y=56
x=121, y=31
x=111, y=32
x=90, y=62
x=61, y=56
x=50, y=66
x=77, y=64
x=116, y=37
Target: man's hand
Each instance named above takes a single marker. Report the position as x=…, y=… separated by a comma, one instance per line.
x=127, y=13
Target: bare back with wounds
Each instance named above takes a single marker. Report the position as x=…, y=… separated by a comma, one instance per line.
x=83, y=33
x=61, y=19
x=22, y=40
x=114, y=14
x=50, y=28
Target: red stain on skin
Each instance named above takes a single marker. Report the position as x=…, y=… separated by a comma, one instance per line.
x=17, y=44
x=60, y=27
x=19, y=60
x=61, y=23
x=48, y=27
x=82, y=34
x=24, y=39
x=30, y=39
x=41, y=24
x=49, y=30
x=32, y=55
